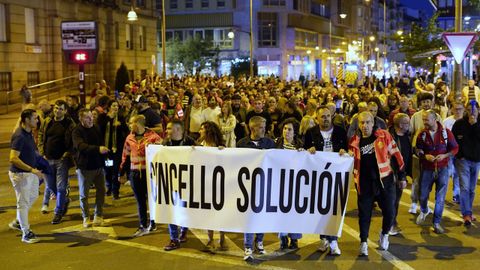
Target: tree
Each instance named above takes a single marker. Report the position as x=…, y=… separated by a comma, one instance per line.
x=192, y=54
x=242, y=67
x=122, y=78
x=421, y=40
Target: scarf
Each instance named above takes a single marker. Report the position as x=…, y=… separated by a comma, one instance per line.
x=111, y=129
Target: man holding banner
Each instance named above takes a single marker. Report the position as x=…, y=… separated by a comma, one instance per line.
x=257, y=139
x=327, y=138
x=374, y=182
x=176, y=137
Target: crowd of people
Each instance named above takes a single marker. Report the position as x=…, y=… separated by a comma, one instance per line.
x=395, y=129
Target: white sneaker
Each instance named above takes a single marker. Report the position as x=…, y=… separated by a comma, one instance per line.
x=248, y=254
x=97, y=221
x=141, y=232
x=395, y=230
x=413, y=208
x=323, y=245
x=421, y=217
x=86, y=222
x=260, y=248
x=334, y=249
x=363, y=249
x=44, y=209
x=383, y=241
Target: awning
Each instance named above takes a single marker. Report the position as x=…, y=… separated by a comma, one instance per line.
x=430, y=54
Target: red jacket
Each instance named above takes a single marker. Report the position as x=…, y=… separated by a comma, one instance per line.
x=385, y=148
x=136, y=149
x=442, y=143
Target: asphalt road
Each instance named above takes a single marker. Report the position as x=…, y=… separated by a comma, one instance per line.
x=69, y=246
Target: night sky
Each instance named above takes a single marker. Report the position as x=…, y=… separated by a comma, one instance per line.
x=419, y=4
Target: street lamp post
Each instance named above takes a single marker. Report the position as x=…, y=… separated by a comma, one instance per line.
x=231, y=35
x=164, y=49
x=342, y=16
x=457, y=72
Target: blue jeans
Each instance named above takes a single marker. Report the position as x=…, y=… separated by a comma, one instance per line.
x=441, y=184
x=248, y=239
x=85, y=179
x=173, y=231
x=468, y=172
x=453, y=173
x=58, y=183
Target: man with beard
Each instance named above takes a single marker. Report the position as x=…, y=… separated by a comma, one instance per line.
x=241, y=115
x=434, y=147
x=326, y=137
x=416, y=125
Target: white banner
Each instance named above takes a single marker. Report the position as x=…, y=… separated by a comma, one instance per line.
x=248, y=190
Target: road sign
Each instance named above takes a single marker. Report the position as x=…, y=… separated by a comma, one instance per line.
x=459, y=43
x=80, y=42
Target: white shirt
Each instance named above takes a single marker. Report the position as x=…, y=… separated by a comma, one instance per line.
x=196, y=119
x=210, y=114
x=327, y=140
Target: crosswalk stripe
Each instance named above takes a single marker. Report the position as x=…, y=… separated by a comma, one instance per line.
x=401, y=265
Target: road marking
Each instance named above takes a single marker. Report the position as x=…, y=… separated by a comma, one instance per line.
x=200, y=256
x=108, y=234
x=385, y=254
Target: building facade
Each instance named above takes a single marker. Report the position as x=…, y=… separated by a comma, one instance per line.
x=31, y=43
x=310, y=37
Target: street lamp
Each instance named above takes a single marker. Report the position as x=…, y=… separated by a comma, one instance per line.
x=132, y=15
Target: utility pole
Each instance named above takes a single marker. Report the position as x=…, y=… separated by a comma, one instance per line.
x=457, y=72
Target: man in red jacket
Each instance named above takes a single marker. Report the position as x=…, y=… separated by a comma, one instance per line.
x=435, y=145
x=373, y=174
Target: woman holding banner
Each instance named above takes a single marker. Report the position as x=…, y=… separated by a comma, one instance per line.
x=211, y=135
x=289, y=140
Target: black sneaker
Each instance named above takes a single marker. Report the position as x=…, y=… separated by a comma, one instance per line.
x=174, y=244
x=116, y=196
x=293, y=244
x=152, y=227
x=57, y=218
x=108, y=193
x=30, y=238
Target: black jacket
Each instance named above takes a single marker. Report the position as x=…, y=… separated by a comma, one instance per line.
x=86, y=145
x=468, y=139
x=313, y=137
x=406, y=151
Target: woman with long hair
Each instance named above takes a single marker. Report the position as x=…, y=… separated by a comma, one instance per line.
x=289, y=140
x=211, y=135
x=226, y=122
